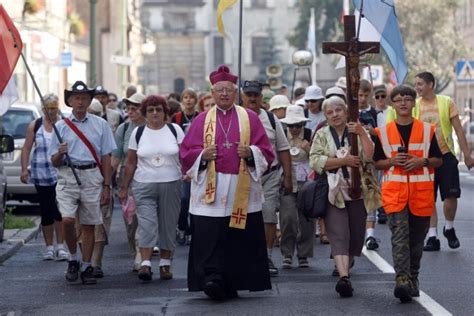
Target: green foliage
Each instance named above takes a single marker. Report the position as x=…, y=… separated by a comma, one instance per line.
x=328, y=25
x=432, y=42
x=16, y=222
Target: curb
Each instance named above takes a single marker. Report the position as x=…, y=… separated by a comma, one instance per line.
x=22, y=236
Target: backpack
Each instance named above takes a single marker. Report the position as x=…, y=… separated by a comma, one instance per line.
x=140, y=130
x=38, y=124
x=271, y=118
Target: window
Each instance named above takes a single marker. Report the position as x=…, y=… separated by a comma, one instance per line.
x=15, y=122
x=259, y=44
x=259, y=3
x=219, y=51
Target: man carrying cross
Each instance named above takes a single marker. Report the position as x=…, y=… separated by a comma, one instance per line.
x=225, y=152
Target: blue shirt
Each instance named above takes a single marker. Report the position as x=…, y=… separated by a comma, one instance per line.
x=97, y=132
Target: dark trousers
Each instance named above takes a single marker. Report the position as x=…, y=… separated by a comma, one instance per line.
x=408, y=235
x=48, y=208
x=183, y=221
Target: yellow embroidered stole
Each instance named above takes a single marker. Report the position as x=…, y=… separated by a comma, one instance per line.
x=238, y=218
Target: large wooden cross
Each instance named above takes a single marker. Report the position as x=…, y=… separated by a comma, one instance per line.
x=352, y=49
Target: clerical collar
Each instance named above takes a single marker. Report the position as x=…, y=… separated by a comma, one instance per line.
x=225, y=111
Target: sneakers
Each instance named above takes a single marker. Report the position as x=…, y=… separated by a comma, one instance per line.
x=414, y=287
x=433, y=244
x=303, y=263
x=403, y=289
x=165, y=273
x=72, y=273
x=62, y=254
x=180, y=237
x=98, y=273
x=271, y=268
x=371, y=243
x=87, y=276
x=286, y=263
x=145, y=273
x=48, y=255
x=450, y=234
x=344, y=287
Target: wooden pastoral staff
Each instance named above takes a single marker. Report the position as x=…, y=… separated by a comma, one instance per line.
x=352, y=49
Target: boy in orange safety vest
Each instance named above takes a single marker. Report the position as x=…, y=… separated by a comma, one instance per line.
x=407, y=150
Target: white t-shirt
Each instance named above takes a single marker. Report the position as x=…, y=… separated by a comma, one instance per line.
x=157, y=154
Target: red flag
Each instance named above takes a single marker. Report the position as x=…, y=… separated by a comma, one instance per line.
x=10, y=48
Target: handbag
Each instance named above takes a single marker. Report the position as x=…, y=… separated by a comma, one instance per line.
x=313, y=197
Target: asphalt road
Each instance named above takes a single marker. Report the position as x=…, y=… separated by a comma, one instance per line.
x=29, y=285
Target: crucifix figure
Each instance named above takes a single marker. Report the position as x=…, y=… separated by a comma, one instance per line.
x=352, y=49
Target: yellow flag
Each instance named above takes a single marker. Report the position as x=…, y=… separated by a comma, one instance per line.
x=221, y=7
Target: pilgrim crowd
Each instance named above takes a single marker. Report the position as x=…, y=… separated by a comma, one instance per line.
x=223, y=172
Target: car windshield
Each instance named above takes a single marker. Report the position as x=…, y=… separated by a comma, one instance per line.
x=15, y=122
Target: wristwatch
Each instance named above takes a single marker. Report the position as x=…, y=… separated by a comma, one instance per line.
x=426, y=162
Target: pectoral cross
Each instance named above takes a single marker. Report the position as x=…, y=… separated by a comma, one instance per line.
x=352, y=49
x=227, y=144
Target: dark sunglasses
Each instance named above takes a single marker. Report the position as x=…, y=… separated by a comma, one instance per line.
x=312, y=101
x=380, y=96
x=157, y=110
x=298, y=125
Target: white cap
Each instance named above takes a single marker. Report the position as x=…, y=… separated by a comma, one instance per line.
x=341, y=83
x=278, y=102
x=335, y=91
x=95, y=107
x=294, y=115
x=313, y=93
x=136, y=98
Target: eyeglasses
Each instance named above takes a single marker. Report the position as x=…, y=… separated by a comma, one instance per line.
x=113, y=100
x=223, y=90
x=406, y=100
x=380, y=96
x=131, y=108
x=297, y=125
x=312, y=101
x=151, y=110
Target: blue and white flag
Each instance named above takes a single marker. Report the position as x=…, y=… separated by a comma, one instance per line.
x=381, y=15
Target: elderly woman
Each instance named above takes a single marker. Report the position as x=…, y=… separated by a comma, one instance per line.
x=153, y=164
x=345, y=218
x=44, y=176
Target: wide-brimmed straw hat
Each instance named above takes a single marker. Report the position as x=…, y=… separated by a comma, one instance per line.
x=294, y=115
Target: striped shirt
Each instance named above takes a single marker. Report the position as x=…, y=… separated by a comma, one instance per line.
x=42, y=171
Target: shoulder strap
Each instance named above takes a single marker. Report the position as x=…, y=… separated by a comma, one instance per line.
x=125, y=127
x=172, y=129
x=38, y=124
x=307, y=134
x=345, y=173
x=178, y=117
x=271, y=118
x=84, y=140
x=306, y=113
x=139, y=133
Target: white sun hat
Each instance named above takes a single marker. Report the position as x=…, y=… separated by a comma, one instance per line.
x=313, y=93
x=294, y=115
x=279, y=102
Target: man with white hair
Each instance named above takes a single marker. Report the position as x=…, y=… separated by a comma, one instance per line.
x=225, y=152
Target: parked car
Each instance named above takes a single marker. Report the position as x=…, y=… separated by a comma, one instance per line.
x=15, y=123
x=6, y=146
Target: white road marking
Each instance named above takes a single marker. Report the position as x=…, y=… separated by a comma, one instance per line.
x=425, y=300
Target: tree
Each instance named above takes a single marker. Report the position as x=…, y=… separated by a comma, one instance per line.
x=431, y=40
x=328, y=25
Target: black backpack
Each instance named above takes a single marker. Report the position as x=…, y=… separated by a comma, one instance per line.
x=140, y=130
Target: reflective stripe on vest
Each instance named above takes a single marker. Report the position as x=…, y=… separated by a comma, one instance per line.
x=415, y=188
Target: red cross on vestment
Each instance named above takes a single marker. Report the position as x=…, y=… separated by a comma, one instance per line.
x=238, y=215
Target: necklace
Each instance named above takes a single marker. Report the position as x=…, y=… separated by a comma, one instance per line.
x=227, y=144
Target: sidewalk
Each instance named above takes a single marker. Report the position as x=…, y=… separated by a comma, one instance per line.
x=14, y=239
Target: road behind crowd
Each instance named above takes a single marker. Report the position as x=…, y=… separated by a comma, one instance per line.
x=32, y=286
